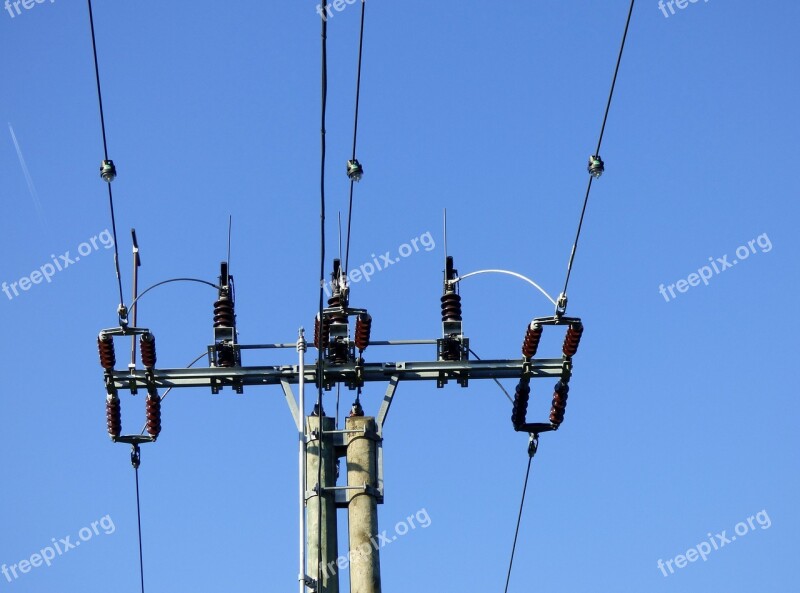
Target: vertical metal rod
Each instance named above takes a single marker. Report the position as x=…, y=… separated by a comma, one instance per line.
x=137, y=262
x=445, y=233
x=301, y=350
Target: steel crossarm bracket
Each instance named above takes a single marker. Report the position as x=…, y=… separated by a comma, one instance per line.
x=335, y=373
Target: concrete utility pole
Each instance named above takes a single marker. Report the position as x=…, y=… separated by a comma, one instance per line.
x=329, y=572
x=362, y=482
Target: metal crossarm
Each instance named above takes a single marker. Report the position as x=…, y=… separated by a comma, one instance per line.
x=342, y=373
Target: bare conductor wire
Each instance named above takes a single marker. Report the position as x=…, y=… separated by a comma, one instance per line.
x=108, y=173
x=354, y=170
x=562, y=298
x=320, y=361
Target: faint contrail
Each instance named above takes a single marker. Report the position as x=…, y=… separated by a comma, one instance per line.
x=28, y=179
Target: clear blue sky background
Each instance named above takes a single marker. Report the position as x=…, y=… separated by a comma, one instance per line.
x=682, y=415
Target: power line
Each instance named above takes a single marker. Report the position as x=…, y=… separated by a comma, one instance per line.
x=532, y=447
x=597, y=151
x=354, y=177
x=499, y=384
x=320, y=364
x=109, y=173
x=135, y=461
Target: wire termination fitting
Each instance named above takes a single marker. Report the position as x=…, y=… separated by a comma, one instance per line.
x=596, y=166
x=354, y=170
x=108, y=172
x=356, y=410
x=122, y=313
x=136, y=456
x=561, y=305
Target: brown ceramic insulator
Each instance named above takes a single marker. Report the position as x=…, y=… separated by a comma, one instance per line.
x=113, y=417
x=105, y=345
x=153, y=411
x=532, y=337
x=147, y=346
x=559, y=404
x=572, y=339
x=223, y=312
x=451, y=307
x=363, y=331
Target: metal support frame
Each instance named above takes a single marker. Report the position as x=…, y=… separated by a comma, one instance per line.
x=236, y=377
x=353, y=374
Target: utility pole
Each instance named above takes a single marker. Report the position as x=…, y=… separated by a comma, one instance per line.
x=320, y=443
x=362, y=510
x=321, y=505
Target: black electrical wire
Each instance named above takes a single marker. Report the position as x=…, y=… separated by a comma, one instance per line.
x=105, y=153
x=135, y=460
x=166, y=393
x=338, y=393
x=500, y=385
x=519, y=517
x=599, y=142
x=320, y=361
x=355, y=134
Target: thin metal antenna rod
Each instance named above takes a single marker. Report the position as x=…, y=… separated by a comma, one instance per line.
x=340, y=236
x=137, y=262
x=445, y=232
x=230, y=226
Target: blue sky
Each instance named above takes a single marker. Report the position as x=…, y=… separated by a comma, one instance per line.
x=682, y=414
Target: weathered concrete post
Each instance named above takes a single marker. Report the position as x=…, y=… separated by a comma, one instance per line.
x=329, y=570
x=362, y=472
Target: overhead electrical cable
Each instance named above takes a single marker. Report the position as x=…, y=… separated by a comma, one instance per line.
x=596, y=168
x=320, y=362
x=135, y=461
x=532, y=447
x=354, y=169
x=599, y=163
x=499, y=384
x=107, y=171
x=166, y=393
